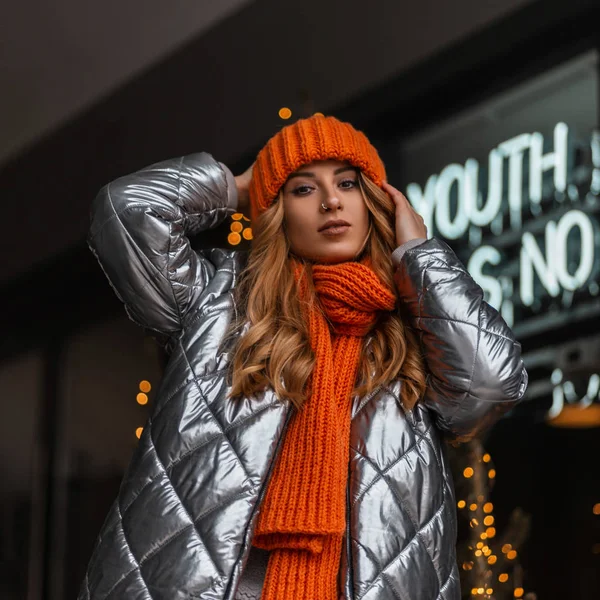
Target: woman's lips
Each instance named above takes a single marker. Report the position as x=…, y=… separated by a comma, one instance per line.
x=335, y=230
x=334, y=227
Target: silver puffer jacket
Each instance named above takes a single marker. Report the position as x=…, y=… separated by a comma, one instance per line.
x=182, y=525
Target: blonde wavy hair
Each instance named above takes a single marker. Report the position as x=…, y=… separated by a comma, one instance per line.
x=272, y=347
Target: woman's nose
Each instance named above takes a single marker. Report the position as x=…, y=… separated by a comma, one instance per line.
x=331, y=202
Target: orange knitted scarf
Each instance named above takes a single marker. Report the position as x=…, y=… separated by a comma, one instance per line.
x=303, y=515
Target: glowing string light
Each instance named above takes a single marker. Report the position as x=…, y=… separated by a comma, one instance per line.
x=238, y=231
x=234, y=238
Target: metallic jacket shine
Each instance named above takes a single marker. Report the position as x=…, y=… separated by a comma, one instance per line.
x=182, y=525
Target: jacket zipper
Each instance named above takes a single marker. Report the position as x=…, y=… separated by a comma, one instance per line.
x=349, y=592
x=349, y=579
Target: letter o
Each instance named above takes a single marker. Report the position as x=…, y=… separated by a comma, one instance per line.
x=574, y=218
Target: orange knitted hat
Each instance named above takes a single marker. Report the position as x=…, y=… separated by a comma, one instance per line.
x=302, y=142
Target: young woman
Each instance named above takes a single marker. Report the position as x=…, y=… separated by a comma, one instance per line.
x=295, y=447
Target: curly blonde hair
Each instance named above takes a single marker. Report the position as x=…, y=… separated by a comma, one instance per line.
x=272, y=347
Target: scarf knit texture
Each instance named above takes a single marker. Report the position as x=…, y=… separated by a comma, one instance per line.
x=303, y=515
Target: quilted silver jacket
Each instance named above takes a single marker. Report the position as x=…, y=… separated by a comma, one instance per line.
x=182, y=525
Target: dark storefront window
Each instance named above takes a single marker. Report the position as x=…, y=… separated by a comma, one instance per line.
x=111, y=372
x=70, y=419
x=21, y=383
x=513, y=185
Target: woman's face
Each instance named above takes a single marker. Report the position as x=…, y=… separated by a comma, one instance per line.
x=316, y=195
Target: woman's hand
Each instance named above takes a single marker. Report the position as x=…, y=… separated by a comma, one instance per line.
x=409, y=224
x=242, y=182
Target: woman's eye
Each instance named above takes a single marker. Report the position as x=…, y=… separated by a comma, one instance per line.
x=302, y=190
x=348, y=183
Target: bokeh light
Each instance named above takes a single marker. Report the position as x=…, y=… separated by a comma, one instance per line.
x=234, y=238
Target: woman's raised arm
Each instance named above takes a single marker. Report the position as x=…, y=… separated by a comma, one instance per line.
x=139, y=231
x=473, y=360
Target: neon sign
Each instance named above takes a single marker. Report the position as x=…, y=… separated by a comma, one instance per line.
x=528, y=223
x=565, y=391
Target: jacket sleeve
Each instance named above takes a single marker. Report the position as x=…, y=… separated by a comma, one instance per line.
x=139, y=232
x=475, y=371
